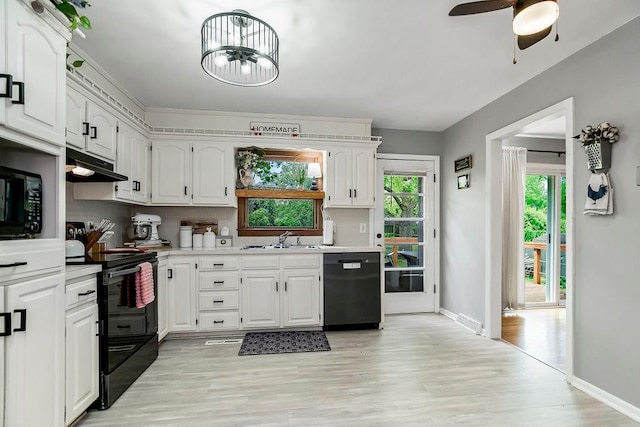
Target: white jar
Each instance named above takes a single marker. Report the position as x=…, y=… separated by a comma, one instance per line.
x=209, y=239
x=185, y=236
x=197, y=240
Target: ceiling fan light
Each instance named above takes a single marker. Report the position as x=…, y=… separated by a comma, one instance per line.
x=530, y=18
x=245, y=68
x=265, y=63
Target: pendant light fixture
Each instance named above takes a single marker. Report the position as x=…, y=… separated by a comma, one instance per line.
x=239, y=49
x=533, y=16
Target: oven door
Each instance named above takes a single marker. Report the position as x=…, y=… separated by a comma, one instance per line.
x=124, y=328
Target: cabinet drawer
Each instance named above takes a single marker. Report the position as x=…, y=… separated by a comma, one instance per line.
x=25, y=261
x=80, y=292
x=221, y=320
x=218, y=263
x=218, y=300
x=218, y=280
x=260, y=262
x=301, y=261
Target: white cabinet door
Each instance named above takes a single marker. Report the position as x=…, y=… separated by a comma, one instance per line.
x=339, y=181
x=301, y=298
x=35, y=368
x=103, y=131
x=36, y=57
x=260, y=299
x=163, y=299
x=363, y=177
x=211, y=165
x=171, y=170
x=140, y=165
x=182, y=295
x=81, y=360
x=124, y=162
x=77, y=127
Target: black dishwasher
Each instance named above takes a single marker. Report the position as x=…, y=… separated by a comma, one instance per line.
x=352, y=290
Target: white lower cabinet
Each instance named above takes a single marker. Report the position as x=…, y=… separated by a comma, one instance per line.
x=163, y=299
x=227, y=292
x=34, y=353
x=182, y=294
x=82, y=360
x=280, y=291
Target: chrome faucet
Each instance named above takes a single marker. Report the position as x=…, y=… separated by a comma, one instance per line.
x=283, y=238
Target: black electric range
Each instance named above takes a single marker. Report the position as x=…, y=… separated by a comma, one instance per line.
x=128, y=332
x=110, y=260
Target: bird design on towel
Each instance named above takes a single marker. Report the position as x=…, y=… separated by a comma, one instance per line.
x=596, y=195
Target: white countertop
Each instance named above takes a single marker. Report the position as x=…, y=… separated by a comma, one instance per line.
x=74, y=271
x=237, y=250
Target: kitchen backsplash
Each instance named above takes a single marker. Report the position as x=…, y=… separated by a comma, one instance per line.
x=347, y=221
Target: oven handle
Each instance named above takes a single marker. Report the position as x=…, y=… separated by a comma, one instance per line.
x=123, y=272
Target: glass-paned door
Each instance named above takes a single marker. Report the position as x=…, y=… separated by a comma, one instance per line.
x=405, y=224
x=544, y=235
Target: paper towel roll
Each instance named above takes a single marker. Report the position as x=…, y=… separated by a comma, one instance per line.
x=327, y=232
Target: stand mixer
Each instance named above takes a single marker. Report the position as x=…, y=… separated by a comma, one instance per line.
x=145, y=229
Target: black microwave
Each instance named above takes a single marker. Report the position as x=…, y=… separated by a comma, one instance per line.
x=20, y=203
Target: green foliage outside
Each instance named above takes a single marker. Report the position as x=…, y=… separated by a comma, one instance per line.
x=402, y=201
x=283, y=175
x=281, y=213
x=535, y=210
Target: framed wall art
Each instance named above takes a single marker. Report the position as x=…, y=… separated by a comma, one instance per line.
x=463, y=163
x=464, y=181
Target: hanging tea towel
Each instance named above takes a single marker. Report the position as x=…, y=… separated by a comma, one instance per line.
x=599, y=195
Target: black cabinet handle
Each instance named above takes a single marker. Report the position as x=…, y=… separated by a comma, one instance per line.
x=218, y=301
x=20, y=100
x=285, y=286
x=8, y=89
x=276, y=286
x=23, y=320
x=94, y=132
x=185, y=190
x=170, y=273
x=349, y=193
x=85, y=128
x=355, y=193
x=225, y=191
x=218, y=265
x=13, y=264
x=123, y=326
x=218, y=321
x=89, y=292
x=7, y=324
x=218, y=282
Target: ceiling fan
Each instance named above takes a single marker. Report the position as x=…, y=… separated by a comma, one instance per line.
x=532, y=19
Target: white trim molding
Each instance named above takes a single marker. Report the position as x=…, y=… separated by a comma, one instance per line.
x=608, y=399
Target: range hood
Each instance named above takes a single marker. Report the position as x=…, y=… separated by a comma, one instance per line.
x=82, y=167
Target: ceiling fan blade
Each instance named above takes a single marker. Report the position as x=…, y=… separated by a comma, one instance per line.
x=481, y=7
x=528, y=41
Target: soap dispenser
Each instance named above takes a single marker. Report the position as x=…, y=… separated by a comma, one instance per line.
x=209, y=239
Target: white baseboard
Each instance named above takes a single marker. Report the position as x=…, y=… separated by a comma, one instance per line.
x=608, y=399
x=448, y=314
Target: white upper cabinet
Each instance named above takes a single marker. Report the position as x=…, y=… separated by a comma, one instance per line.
x=351, y=177
x=33, y=72
x=89, y=126
x=133, y=161
x=199, y=173
x=212, y=163
x=170, y=173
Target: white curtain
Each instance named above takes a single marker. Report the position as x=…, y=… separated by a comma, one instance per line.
x=514, y=169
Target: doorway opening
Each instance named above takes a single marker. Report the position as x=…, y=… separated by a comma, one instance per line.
x=493, y=259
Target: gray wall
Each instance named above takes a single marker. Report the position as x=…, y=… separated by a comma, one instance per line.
x=395, y=141
x=603, y=79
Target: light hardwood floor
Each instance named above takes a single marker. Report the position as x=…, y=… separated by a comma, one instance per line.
x=419, y=370
x=541, y=333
